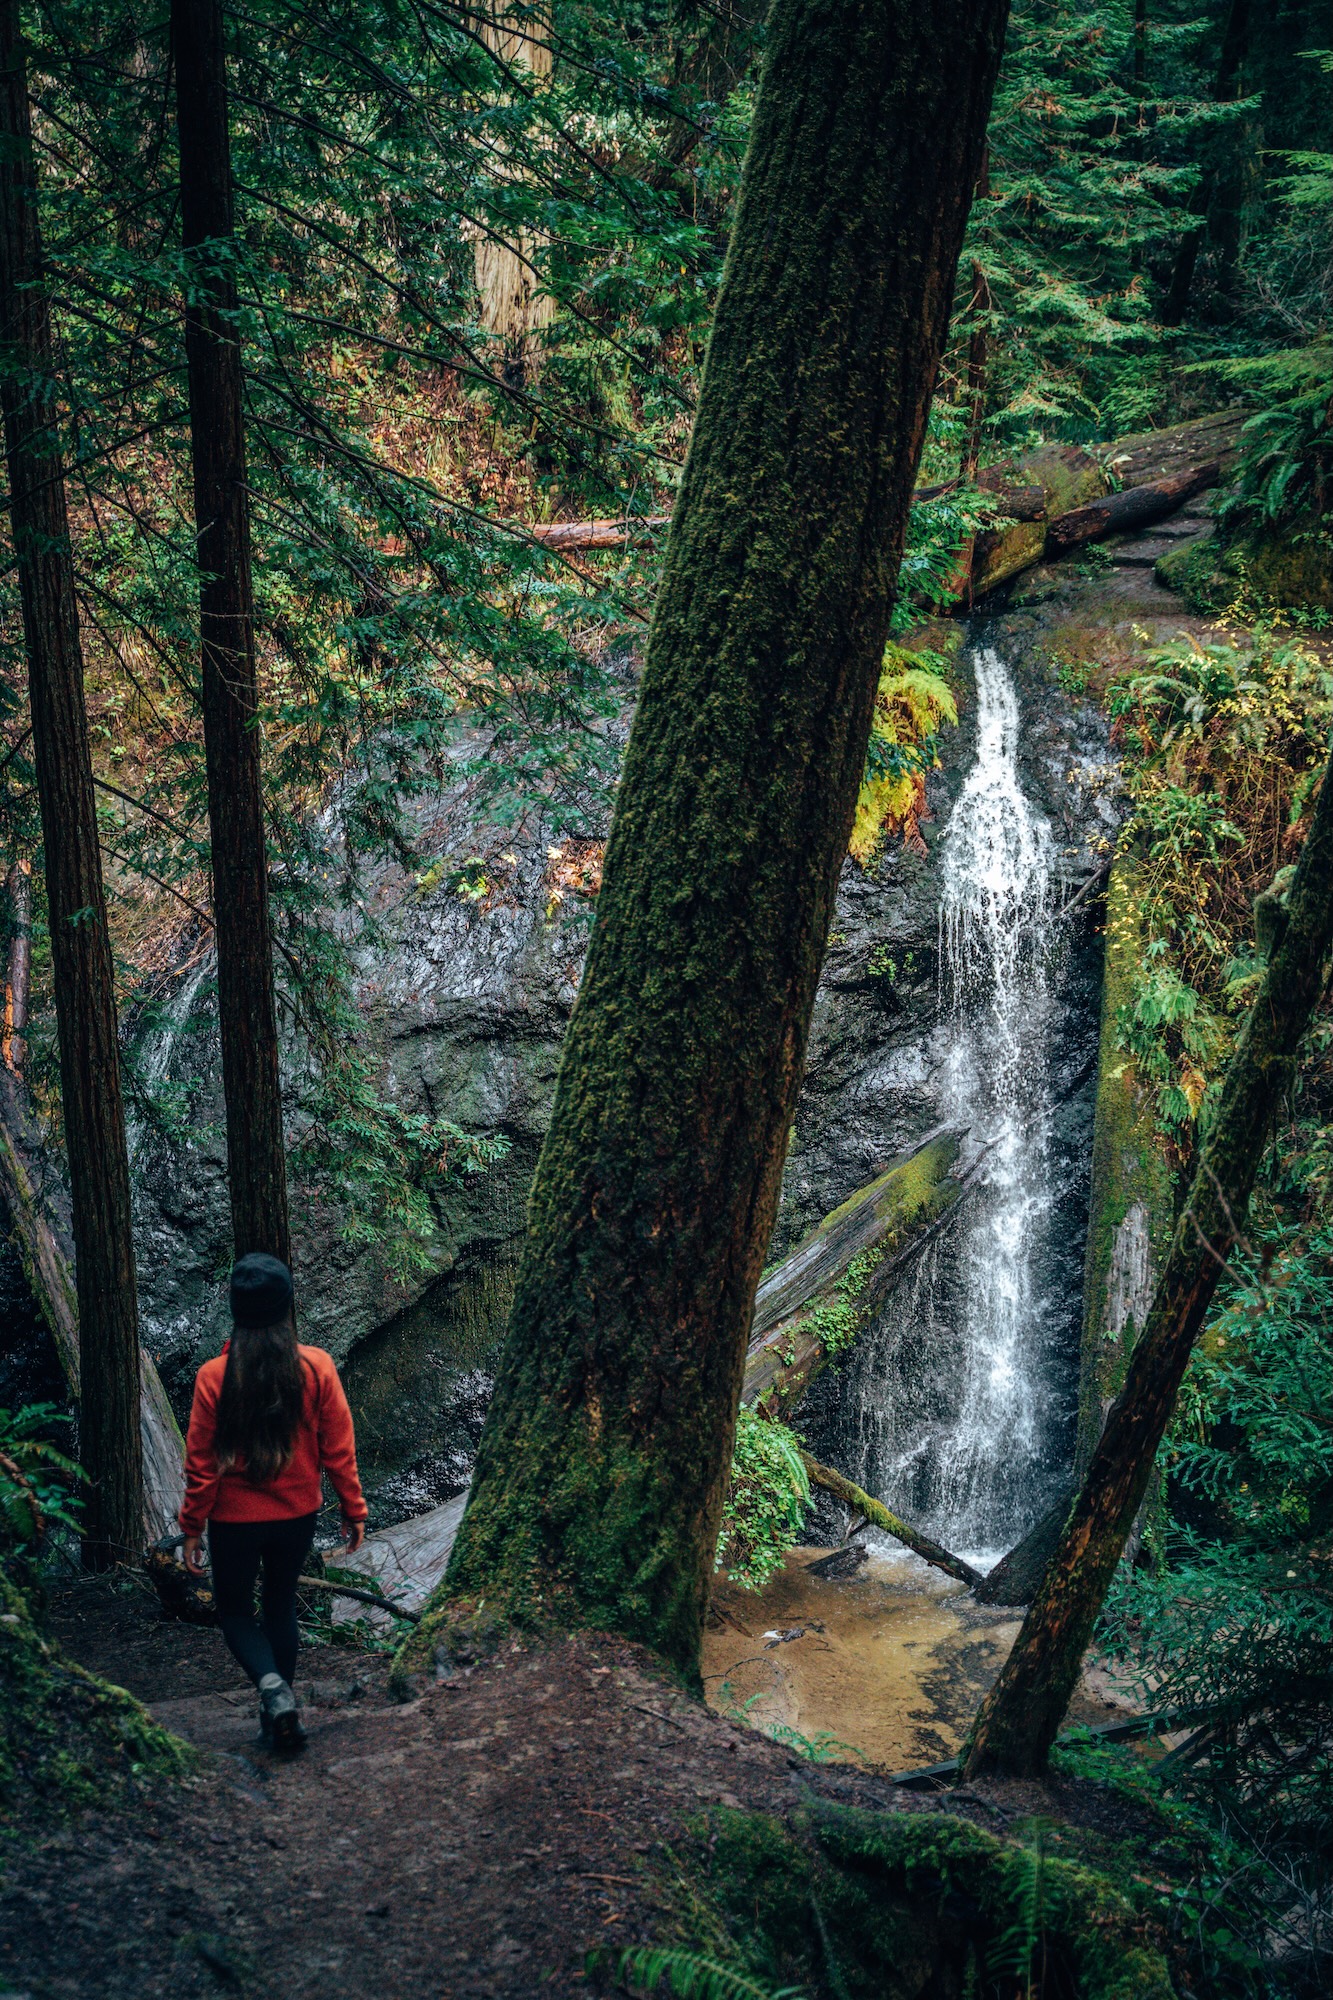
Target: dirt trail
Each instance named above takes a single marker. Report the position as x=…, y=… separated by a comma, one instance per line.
x=478, y=1841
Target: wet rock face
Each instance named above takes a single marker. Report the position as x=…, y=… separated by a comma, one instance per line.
x=469, y=996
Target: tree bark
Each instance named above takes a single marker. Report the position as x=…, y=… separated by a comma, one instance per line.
x=255, y=1158
x=1226, y=90
x=18, y=973
x=513, y=309
x=94, y=1116
x=43, y=1242
x=600, y=1477
x=1019, y=1719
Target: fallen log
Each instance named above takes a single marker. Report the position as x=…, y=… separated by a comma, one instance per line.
x=411, y=1556
x=879, y=1516
x=47, y=1266
x=1018, y=503
x=1135, y=507
x=818, y=1301
x=592, y=534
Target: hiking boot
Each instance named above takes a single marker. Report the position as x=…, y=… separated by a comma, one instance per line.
x=279, y=1717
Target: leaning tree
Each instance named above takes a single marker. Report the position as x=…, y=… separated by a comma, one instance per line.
x=600, y=1477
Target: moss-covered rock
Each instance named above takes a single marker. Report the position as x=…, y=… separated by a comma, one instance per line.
x=1193, y=569
x=1290, y=566
x=1131, y=1205
x=902, y=1905
x=67, y=1739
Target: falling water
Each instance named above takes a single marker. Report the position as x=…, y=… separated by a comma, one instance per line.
x=953, y=1407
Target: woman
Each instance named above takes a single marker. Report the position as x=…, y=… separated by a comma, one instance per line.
x=268, y=1416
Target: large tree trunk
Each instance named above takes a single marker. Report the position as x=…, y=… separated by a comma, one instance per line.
x=1022, y=1713
x=40, y=1231
x=1226, y=90
x=255, y=1159
x=80, y=947
x=600, y=1477
x=18, y=971
x=513, y=307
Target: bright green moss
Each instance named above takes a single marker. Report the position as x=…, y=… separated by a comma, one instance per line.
x=849, y=1904
x=67, y=1739
x=1129, y=1171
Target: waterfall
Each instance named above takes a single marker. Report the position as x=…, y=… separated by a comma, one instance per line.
x=953, y=1404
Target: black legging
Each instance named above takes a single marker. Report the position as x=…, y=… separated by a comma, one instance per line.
x=237, y=1549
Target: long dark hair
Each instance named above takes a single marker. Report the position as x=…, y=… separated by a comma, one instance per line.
x=261, y=1401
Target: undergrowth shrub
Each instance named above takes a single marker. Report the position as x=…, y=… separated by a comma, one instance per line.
x=913, y=702
x=1223, y=745
x=767, y=1501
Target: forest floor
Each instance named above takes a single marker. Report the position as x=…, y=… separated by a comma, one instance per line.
x=479, y=1840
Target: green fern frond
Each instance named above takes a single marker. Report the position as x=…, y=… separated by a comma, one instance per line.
x=692, y=1977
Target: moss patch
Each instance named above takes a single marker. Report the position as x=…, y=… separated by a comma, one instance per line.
x=848, y=1903
x=1290, y=566
x=67, y=1739
x=1131, y=1204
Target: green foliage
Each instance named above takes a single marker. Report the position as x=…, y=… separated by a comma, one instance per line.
x=1015, y=1952
x=1223, y=744
x=692, y=1977
x=37, y=1483
x=1085, y=179
x=1236, y=1621
x=1287, y=448
x=768, y=1496
x=913, y=702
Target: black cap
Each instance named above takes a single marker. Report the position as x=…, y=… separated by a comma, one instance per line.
x=261, y=1290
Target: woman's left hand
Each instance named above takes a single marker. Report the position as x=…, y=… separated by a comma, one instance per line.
x=355, y=1532
x=192, y=1554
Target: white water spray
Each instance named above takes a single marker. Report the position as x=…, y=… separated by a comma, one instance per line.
x=998, y=859
x=952, y=1404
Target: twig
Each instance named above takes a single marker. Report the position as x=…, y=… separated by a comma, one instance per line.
x=362, y=1596
x=1093, y=882
x=658, y=1716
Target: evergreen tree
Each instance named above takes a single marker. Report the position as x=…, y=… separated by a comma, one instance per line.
x=85, y=1000
x=600, y=1478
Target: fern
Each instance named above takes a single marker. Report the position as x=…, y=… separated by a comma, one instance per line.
x=767, y=1499
x=1013, y=1952
x=692, y=1977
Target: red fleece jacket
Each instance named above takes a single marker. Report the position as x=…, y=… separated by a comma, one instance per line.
x=323, y=1440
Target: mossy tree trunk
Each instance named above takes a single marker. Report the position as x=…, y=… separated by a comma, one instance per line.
x=600, y=1477
x=256, y=1162
x=1019, y=1718
x=90, y=1093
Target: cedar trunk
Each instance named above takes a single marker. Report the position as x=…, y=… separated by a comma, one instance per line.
x=599, y=1481
x=1018, y=1721
x=247, y=1017
x=93, y=1112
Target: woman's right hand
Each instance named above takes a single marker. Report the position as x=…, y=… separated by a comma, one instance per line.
x=192, y=1554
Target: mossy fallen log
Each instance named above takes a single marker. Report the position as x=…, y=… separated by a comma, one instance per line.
x=1135, y=507
x=815, y=1304
x=880, y=1516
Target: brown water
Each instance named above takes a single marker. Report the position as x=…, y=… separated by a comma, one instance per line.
x=891, y=1662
